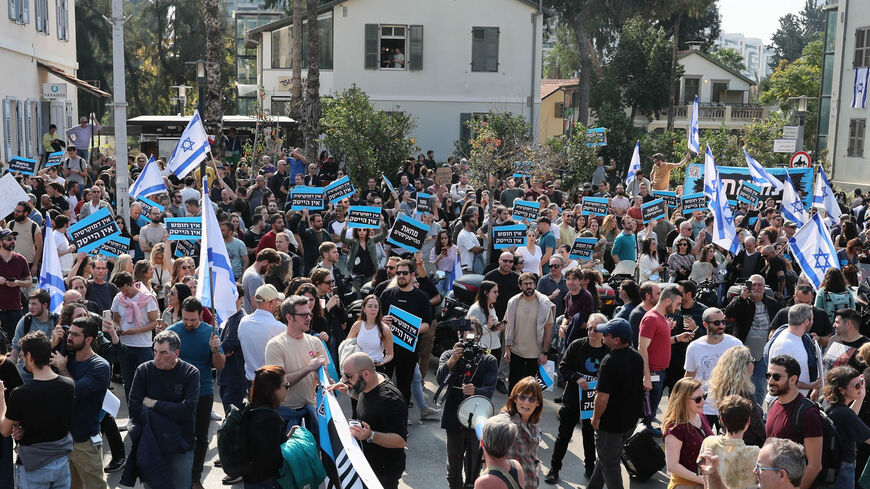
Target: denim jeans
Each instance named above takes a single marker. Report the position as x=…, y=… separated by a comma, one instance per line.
x=293, y=417
x=179, y=469
x=201, y=424
x=417, y=389
x=135, y=356
x=655, y=395
x=54, y=475
x=608, y=469
x=845, y=477
x=234, y=395
x=760, y=383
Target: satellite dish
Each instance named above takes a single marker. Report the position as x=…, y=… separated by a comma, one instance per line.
x=473, y=412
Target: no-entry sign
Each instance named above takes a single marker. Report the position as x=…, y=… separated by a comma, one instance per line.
x=801, y=159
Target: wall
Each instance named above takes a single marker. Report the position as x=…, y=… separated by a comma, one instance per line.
x=551, y=125
x=695, y=65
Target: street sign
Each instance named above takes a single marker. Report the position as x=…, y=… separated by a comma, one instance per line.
x=784, y=145
x=790, y=132
x=800, y=160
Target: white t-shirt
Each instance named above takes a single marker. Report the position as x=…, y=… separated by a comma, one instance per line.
x=790, y=344
x=140, y=339
x=255, y=330
x=67, y=260
x=532, y=262
x=188, y=193
x=466, y=241
x=701, y=357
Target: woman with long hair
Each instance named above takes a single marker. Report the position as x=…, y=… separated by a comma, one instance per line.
x=523, y=408
x=732, y=376
x=684, y=427
x=373, y=337
x=482, y=313
x=590, y=281
x=844, y=391
x=848, y=232
x=609, y=229
x=124, y=263
x=174, y=297
x=336, y=316
x=443, y=256
x=181, y=268
x=530, y=254
x=704, y=268
x=161, y=261
x=362, y=258
x=448, y=209
x=143, y=272
x=834, y=294
x=681, y=260
x=649, y=268
x=265, y=430
x=82, y=267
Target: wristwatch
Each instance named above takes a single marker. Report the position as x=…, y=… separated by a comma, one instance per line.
x=371, y=438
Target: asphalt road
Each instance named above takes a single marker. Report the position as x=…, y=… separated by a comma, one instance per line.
x=426, y=453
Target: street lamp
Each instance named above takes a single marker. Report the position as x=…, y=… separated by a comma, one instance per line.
x=181, y=98
x=802, y=117
x=200, y=82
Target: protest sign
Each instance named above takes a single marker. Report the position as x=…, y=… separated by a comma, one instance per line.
x=310, y=198
x=54, y=159
x=408, y=233
x=116, y=246
x=749, y=193
x=405, y=327
x=598, y=136
x=389, y=184
x=582, y=248
x=23, y=165
x=444, y=175
x=147, y=204
x=11, y=194
x=526, y=209
x=587, y=400
x=186, y=248
x=93, y=230
x=423, y=203
x=694, y=202
x=596, y=206
x=545, y=375
x=654, y=209
x=732, y=176
x=507, y=236
x=338, y=190
x=364, y=217
x=184, y=227
x=670, y=198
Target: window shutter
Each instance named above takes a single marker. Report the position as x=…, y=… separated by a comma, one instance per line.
x=490, y=48
x=19, y=120
x=39, y=15
x=28, y=127
x=477, y=37
x=25, y=11
x=13, y=10
x=372, y=56
x=7, y=128
x=415, y=60
x=69, y=114
x=464, y=130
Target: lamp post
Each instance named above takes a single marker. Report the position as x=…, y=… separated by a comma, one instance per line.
x=802, y=117
x=200, y=82
x=181, y=99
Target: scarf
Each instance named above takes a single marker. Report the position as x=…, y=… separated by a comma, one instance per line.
x=134, y=305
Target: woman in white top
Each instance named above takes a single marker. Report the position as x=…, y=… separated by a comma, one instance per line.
x=65, y=251
x=531, y=254
x=482, y=313
x=649, y=267
x=373, y=336
x=705, y=266
x=162, y=264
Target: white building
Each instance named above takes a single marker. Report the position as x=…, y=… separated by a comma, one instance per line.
x=756, y=55
x=442, y=61
x=38, y=55
x=847, y=41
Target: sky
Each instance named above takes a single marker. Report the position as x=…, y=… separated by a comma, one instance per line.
x=756, y=18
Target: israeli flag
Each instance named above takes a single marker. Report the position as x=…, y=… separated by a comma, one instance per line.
x=150, y=181
x=694, y=135
x=812, y=247
x=724, y=233
x=217, y=284
x=823, y=196
x=760, y=175
x=191, y=149
x=859, y=90
x=792, y=207
x=50, y=277
x=635, y=164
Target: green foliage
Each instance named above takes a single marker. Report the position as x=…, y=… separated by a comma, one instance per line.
x=580, y=158
x=725, y=145
x=370, y=141
x=730, y=58
x=800, y=77
x=759, y=137
x=564, y=60
x=513, y=130
x=671, y=144
x=795, y=32
x=700, y=25
x=621, y=135
x=498, y=140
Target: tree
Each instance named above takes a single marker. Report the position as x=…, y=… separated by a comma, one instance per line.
x=296, y=76
x=563, y=61
x=730, y=58
x=511, y=129
x=311, y=107
x=813, y=17
x=800, y=77
x=369, y=141
x=788, y=40
x=215, y=47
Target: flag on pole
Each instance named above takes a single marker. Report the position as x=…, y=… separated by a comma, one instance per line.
x=191, y=148
x=813, y=249
x=724, y=233
x=217, y=284
x=859, y=90
x=792, y=207
x=345, y=464
x=455, y=272
x=694, y=135
x=150, y=181
x=823, y=195
x=759, y=174
x=635, y=164
x=51, y=277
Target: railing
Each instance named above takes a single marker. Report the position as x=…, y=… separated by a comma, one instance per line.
x=720, y=113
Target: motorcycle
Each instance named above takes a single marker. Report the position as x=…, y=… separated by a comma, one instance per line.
x=455, y=306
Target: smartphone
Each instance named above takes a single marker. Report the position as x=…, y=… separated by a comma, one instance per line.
x=748, y=284
x=107, y=315
x=354, y=422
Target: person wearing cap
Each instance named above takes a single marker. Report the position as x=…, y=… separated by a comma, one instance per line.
x=14, y=274
x=257, y=328
x=617, y=406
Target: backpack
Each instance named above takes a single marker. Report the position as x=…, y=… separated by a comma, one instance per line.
x=835, y=301
x=809, y=346
x=28, y=322
x=232, y=441
x=831, y=450
x=302, y=468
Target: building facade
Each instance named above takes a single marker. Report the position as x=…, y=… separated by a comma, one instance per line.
x=756, y=55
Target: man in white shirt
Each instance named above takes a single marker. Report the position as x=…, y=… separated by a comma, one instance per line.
x=257, y=328
x=789, y=342
x=459, y=190
x=619, y=203
x=468, y=244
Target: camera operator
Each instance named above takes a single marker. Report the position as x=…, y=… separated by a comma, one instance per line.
x=465, y=371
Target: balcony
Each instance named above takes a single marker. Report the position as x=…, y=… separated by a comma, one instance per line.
x=710, y=116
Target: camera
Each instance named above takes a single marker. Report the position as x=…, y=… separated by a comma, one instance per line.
x=471, y=351
x=461, y=325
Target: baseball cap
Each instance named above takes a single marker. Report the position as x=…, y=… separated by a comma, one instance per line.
x=790, y=224
x=618, y=328
x=266, y=293
x=6, y=232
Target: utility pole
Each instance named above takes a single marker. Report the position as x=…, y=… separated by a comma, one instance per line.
x=119, y=111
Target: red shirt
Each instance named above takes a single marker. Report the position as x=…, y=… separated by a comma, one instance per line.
x=267, y=241
x=14, y=269
x=780, y=421
x=692, y=438
x=655, y=327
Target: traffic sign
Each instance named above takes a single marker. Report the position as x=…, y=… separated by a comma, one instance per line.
x=801, y=159
x=790, y=132
x=784, y=145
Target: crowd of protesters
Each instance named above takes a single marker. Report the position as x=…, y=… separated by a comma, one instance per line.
x=738, y=342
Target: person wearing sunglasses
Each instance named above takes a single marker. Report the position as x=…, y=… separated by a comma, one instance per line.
x=684, y=427
x=820, y=329
x=781, y=464
x=523, y=408
x=844, y=386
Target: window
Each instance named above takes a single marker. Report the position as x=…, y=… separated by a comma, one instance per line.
x=862, y=48
x=282, y=45
x=281, y=106
x=393, y=47
x=19, y=11
x=41, y=16
x=856, y=138
x=62, y=20
x=559, y=113
x=691, y=89
x=13, y=137
x=484, y=49
x=720, y=92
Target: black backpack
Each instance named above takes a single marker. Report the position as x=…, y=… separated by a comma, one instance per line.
x=232, y=441
x=832, y=452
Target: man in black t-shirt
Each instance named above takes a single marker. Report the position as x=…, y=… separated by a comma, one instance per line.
x=39, y=416
x=508, y=283
x=383, y=414
x=776, y=268
x=101, y=292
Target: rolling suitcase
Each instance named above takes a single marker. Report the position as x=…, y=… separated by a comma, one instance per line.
x=642, y=456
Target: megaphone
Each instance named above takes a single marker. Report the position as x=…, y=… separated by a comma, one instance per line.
x=473, y=413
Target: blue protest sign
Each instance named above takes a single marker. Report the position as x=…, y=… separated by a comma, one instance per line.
x=408, y=233
x=116, y=246
x=54, y=159
x=732, y=176
x=405, y=327
x=587, y=400
x=93, y=230
x=596, y=206
x=310, y=198
x=147, y=204
x=654, y=209
x=186, y=247
x=364, y=217
x=526, y=209
x=338, y=190
x=389, y=184
x=582, y=248
x=543, y=378
x=599, y=136
x=694, y=202
x=23, y=165
x=508, y=236
x=669, y=197
x=184, y=228
x=749, y=193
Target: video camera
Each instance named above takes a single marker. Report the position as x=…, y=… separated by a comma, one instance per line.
x=471, y=351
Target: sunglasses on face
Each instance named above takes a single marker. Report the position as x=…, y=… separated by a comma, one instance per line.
x=718, y=322
x=857, y=384
x=699, y=399
x=776, y=377
x=403, y=272
x=525, y=398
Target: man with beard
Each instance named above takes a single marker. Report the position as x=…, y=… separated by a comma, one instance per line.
x=38, y=318
x=268, y=240
x=14, y=274
x=29, y=245
x=383, y=418
x=529, y=318
x=689, y=317
x=625, y=244
x=508, y=286
x=100, y=291
x=153, y=233
x=91, y=374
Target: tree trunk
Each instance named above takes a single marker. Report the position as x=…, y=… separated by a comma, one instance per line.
x=586, y=68
x=214, y=50
x=295, y=135
x=311, y=108
x=672, y=92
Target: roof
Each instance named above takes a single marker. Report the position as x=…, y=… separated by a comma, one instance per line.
x=54, y=70
x=550, y=85
x=683, y=54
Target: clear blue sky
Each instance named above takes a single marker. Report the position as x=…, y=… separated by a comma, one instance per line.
x=756, y=18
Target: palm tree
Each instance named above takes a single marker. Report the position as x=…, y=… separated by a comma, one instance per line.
x=214, y=49
x=311, y=108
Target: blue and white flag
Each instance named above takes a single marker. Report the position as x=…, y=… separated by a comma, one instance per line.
x=724, y=233
x=634, y=165
x=823, y=196
x=455, y=272
x=759, y=174
x=191, y=149
x=859, y=90
x=51, y=277
x=694, y=135
x=150, y=181
x=792, y=207
x=217, y=284
x=813, y=249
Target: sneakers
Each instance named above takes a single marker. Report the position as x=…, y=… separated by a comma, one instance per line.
x=115, y=465
x=215, y=416
x=552, y=477
x=124, y=427
x=430, y=413
x=228, y=481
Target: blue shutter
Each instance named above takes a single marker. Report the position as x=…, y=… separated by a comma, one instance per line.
x=415, y=38
x=28, y=128
x=7, y=128
x=25, y=11
x=372, y=55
